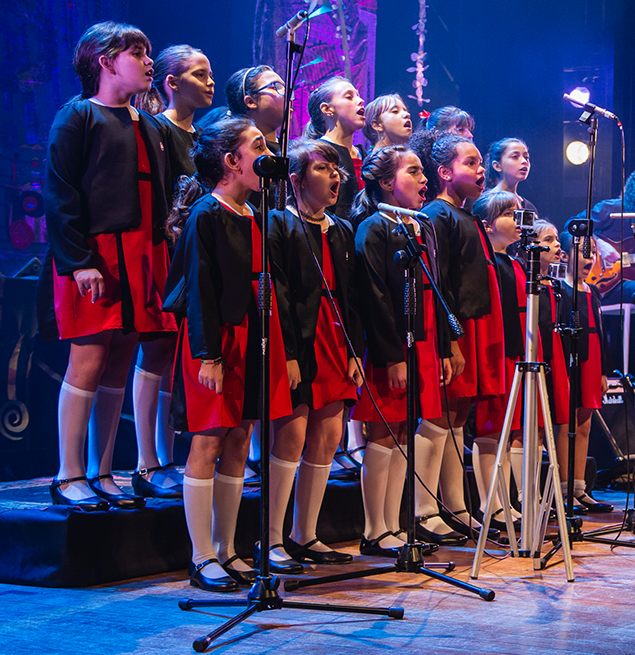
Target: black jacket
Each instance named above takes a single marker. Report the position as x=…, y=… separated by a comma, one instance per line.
x=91, y=182
x=299, y=284
x=210, y=277
x=382, y=286
x=348, y=190
x=514, y=337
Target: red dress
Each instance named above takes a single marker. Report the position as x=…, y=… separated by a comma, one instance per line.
x=205, y=409
x=482, y=347
x=330, y=383
x=392, y=403
x=558, y=381
x=591, y=368
x=134, y=266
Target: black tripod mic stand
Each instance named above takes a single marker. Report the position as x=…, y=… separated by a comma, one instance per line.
x=410, y=559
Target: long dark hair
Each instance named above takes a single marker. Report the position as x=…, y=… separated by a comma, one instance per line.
x=243, y=83
x=109, y=39
x=379, y=166
x=445, y=118
x=172, y=60
x=300, y=151
x=491, y=204
x=435, y=149
x=208, y=154
x=495, y=153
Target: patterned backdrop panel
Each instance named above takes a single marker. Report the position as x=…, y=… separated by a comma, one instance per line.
x=327, y=53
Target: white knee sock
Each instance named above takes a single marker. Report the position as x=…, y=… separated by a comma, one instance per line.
x=164, y=439
x=507, y=470
x=102, y=433
x=395, y=487
x=375, y=473
x=281, y=476
x=430, y=442
x=145, y=397
x=73, y=412
x=483, y=459
x=198, y=500
x=516, y=460
x=228, y=493
x=309, y=493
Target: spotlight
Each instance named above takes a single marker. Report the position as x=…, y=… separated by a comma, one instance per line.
x=577, y=152
x=581, y=94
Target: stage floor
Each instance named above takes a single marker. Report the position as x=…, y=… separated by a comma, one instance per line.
x=534, y=611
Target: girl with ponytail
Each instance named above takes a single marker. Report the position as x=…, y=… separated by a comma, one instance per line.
x=393, y=175
x=213, y=284
x=182, y=83
x=337, y=112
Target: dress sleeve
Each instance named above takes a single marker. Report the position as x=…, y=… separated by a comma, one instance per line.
x=445, y=232
x=66, y=219
x=384, y=343
x=202, y=275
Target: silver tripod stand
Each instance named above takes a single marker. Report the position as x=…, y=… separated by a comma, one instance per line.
x=535, y=515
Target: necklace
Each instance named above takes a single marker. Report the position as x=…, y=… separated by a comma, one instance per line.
x=313, y=219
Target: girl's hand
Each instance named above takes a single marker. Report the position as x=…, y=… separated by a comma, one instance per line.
x=293, y=371
x=353, y=372
x=458, y=361
x=90, y=279
x=397, y=375
x=605, y=385
x=210, y=375
x=446, y=376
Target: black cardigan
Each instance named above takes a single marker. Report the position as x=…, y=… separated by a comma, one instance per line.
x=382, y=285
x=348, y=190
x=299, y=285
x=210, y=276
x=91, y=182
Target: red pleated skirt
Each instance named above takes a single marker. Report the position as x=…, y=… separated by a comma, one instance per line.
x=483, y=348
x=330, y=383
x=591, y=369
x=206, y=409
x=392, y=404
x=559, y=377
x=134, y=272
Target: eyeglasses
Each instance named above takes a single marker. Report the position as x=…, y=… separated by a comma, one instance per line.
x=277, y=86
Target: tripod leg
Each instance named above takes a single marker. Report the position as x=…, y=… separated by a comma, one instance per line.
x=543, y=516
x=202, y=643
x=494, y=483
x=557, y=489
x=392, y=612
x=485, y=594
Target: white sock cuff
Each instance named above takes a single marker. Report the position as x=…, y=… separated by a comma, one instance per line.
x=69, y=388
x=371, y=445
x=398, y=449
x=457, y=431
x=165, y=393
x=515, y=451
x=228, y=479
x=283, y=463
x=113, y=391
x=315, y=466
x=579, y=485
x=195, y=482
x=431, y=429
x=146, y=374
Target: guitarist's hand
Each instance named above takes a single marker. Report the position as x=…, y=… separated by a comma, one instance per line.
x=606, y=252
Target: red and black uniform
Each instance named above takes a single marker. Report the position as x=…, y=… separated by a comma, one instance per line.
x=469, y=280
x=354, y=183
x=105, y=199
x=310, y=327
x=213, y=281
x=490, y=414
x=382, y=285
x=592, y=345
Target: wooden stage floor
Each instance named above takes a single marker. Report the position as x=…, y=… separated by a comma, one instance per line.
x=534, y=611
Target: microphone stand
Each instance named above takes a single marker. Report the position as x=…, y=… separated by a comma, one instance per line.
x=410, y=559
x=263, y=595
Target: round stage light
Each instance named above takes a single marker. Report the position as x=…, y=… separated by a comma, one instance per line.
x=577, y=152
x=581, y=94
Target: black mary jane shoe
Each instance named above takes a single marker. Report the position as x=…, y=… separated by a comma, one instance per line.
x=284, y=566
x=592, y=506
x=89, y=504
x=426, y=548
x=147, y=489
x=463, y=528
x=197, y=579
x=451, y=538
x=241, y=577
x=371, y=547
x=122, y=500
x=303, y=553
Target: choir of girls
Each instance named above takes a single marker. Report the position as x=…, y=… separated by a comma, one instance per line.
x=187, y=195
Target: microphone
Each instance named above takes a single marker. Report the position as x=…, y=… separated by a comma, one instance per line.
x=400, y=211
x=292, y=24
x=589, y=106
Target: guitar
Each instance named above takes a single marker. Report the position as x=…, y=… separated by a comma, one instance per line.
x=607, y=276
